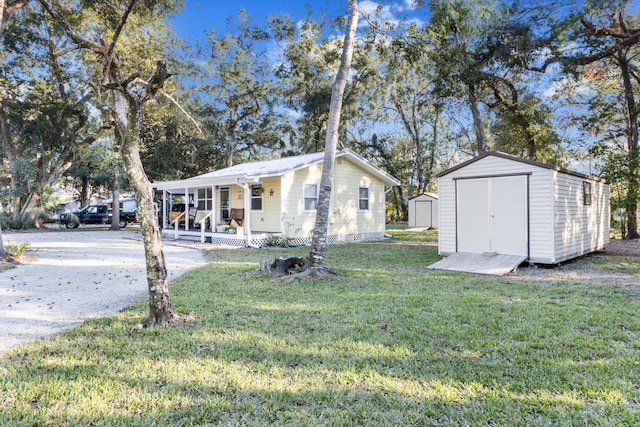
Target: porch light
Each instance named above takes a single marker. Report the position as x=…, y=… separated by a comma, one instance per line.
x=271, y=193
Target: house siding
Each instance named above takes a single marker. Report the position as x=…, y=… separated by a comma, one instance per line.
x=447, y=215
x=236, y=197
x=268, y=219
x=580, y=228
x=295, y=220
x=345, y=219
x=540, y=214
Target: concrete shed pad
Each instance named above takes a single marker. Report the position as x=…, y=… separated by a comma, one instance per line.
x=484, y=263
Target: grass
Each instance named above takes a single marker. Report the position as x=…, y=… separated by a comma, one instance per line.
x=392, y=343
x=15, y=252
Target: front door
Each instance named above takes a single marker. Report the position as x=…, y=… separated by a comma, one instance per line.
x=492, y=215
x=224, y=203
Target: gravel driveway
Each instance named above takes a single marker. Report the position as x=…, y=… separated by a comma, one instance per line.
x=74, y=276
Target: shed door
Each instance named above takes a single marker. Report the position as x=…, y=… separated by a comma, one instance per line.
x=423, y=213
x=492, y=215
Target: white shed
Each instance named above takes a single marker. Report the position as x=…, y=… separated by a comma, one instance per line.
x=498, y=203
x=423, y=211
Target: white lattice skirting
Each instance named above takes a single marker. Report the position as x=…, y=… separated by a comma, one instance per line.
x=331, y=239
x=263, y=239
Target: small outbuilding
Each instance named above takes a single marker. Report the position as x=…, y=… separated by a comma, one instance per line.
x=500, y=204
x=423, y=211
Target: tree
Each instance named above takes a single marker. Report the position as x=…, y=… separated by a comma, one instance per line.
x=319, y=240
x=525, y=130
x=238, y=96
x=410, y=98
x=130, y=93
x=309, y=62
x=45, y=114
x=7, y=10
x=603, y=37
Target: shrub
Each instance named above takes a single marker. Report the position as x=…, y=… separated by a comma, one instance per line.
x=8, y=222
x=275, y=240
x=17, y=249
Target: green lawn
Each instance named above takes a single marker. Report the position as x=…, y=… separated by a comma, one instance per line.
x=392, y=343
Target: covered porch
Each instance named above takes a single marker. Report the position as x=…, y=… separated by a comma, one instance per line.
x=210, y=211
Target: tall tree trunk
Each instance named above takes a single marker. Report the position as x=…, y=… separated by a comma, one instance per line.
x=84, y=191
x=128, y=119
x=432, y=147
x=115, y=200
x=319, y=241
x=12, y=157
x=632, y=143
x=413, y=130
x=477, y=119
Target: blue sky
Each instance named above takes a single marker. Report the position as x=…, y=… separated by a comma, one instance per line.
x=199, y=16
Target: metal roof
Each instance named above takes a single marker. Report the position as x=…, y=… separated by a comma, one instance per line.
x=254, y=171
x=518, y=159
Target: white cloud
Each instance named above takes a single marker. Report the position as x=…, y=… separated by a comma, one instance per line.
x=377, y=13
x=411, y=4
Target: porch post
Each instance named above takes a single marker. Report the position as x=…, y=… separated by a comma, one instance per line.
x=186, y=208
x=212, y=220
x=164, y=209
x=247, y=213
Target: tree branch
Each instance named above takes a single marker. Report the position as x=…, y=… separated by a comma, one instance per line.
x=77, y=39
x=177, y=104
x=627, y=39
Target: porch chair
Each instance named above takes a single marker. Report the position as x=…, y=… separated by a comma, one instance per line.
x=237, y=215
x=192, y=217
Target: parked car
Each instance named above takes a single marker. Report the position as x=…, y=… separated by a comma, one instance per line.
x=96, y=214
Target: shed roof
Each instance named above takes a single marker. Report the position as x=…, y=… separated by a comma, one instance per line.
x=253, y=171
x=432, y=195
x=521, y=160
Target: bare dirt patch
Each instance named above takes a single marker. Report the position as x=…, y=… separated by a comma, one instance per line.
x=617, y=265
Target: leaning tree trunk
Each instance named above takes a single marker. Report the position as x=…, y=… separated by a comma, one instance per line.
x=632, y=143
x=128, y=118
x=319, y=241
x=477, y=119
x=130, y=94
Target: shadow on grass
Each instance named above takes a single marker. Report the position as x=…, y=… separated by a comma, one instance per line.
x=391, y=344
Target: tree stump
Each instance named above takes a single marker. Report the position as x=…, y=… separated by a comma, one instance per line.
x=288, y=265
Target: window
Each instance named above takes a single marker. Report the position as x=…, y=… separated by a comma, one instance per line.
x=256, y=197
x=586, y=193
x=310, y=197
x=205, y=198
x=363, y=199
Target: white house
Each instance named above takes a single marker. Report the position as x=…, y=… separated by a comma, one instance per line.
x=423, y=211
x=497, y=203
x=278, y=197
x=127, y=203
